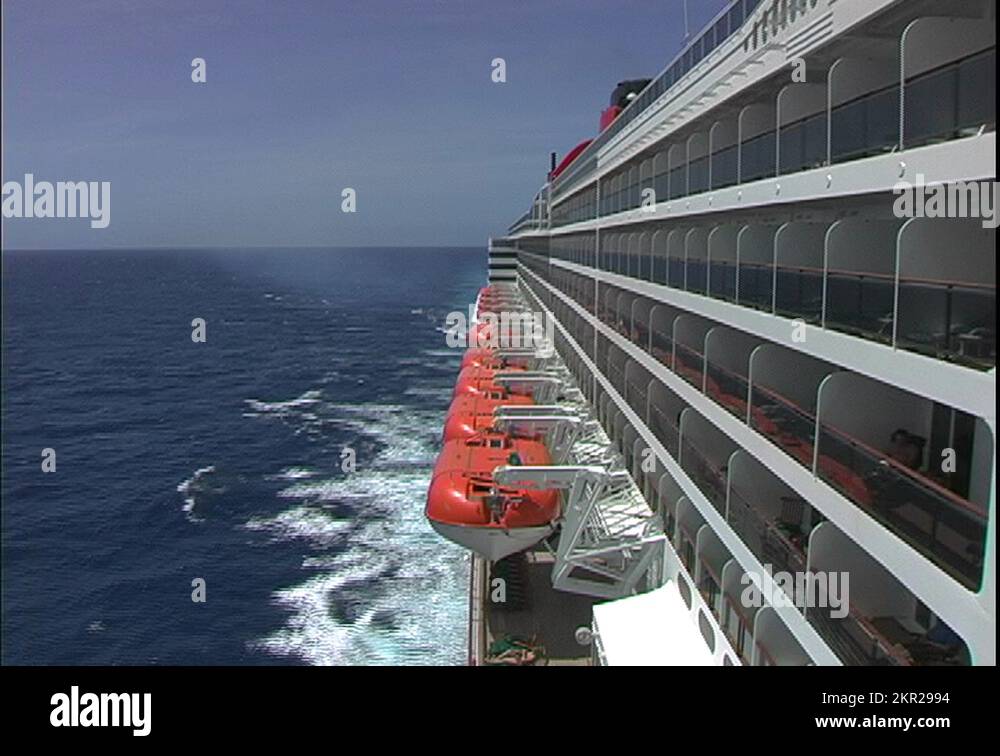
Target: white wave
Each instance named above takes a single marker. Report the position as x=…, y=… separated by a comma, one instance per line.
x=308, y=523
x=391, y=591
x=295, y=473
x=411, y=584
x=186, y=487
x=308, y=398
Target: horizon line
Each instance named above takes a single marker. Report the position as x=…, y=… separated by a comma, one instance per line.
x=245, y=247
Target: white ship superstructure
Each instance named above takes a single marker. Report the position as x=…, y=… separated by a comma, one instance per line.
x=797, y=370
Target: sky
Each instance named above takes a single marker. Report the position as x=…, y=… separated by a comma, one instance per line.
x=303, y=99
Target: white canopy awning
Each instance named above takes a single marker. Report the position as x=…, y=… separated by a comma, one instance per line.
x=653, y=629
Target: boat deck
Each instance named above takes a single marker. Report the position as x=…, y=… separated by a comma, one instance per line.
x=534, y=611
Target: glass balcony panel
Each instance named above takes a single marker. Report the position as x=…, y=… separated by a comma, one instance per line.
x=709, y=479
x=724, y=165
x=977, y=90
x=757, y=157
x=678, y=182
x=722, y=280
x=930, y=103
x=728, y=389
x=787, y=425
x=860, y=303
x=697, y=276
x=698, y=175
x=676, y=272
x=946, y=320
x=688, y=364
x=946, y=528
x=779, y=543
x=660, y=185
x=662, y=347
x=799, y=292
x=664, y=428
x=659, y=268
x=756, y=285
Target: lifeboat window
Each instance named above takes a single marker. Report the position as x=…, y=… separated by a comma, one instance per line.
x=495, y=395
x=496, y=443
x=479, y=488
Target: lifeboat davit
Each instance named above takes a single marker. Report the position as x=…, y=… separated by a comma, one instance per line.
x=466, y=507
x=471, y=413
x=480, y=380
x=490, y=358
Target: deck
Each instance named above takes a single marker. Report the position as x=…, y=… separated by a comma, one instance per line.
x=533, y=610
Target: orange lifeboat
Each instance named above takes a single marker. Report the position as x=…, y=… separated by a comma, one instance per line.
x=481, y=357
x=470, y=413
x=485, y=332
x=481, y=453
x=465, y=506
x=490, y=358
x=479, y=380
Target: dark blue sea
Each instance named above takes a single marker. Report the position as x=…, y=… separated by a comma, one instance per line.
x=222, y=461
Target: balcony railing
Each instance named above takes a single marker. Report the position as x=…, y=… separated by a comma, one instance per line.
x=728, y=389
x=778, y=543
x=951, y=320
x=688, y=364
x=737, y=627
x=664, y=428
x=936, y=521
x=708, y=587
x=785, y=423
x=947, y=102
x=946, y=528
x=709, y=478
x=856, y=641
x=663, y=348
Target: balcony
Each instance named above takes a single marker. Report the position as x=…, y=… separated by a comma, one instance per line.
x=943, y=526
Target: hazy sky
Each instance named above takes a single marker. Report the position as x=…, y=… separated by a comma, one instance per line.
x=302, y=99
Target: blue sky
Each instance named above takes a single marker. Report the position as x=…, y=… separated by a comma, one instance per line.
x=302, y=99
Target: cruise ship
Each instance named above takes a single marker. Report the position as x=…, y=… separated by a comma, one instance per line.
x=764, y=434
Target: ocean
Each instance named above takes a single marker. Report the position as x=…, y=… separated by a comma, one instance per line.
x=178, y=462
